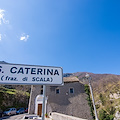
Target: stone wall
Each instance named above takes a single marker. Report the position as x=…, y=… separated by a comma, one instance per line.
x=73, y=104
x=35, y=90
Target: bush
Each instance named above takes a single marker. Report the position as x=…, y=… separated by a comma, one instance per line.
x=97, y=106
x=111, y=117
x=112, y=110
x=87, y=90
x=102, y=99
x=103, y=115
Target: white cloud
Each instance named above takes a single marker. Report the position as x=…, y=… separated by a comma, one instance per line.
x=2, y=17
x=3, y=21
x=24, y=37
x=2, y=36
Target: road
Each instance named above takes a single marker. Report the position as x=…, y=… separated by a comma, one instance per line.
x=13, y=117
x=19, y=117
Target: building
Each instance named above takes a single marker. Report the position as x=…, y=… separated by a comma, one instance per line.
x=69, y=99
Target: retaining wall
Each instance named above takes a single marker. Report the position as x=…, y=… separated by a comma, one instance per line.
x=58, y=116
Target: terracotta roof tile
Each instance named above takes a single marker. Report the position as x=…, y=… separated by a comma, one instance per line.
x=70, y=79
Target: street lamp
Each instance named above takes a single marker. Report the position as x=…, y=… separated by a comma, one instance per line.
x=89, y=79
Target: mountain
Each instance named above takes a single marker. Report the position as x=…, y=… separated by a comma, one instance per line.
x=100, y=82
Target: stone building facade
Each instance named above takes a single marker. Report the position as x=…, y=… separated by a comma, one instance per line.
x=69, y=99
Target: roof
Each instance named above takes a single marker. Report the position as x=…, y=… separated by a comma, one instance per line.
x=3, y=62
x=70, y=79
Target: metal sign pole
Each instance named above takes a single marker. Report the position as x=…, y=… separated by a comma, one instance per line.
x=43, y=105
x=30, y=100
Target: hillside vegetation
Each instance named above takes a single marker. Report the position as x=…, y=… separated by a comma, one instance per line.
x=13, y=96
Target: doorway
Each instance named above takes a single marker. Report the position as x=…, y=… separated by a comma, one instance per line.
x=38, y=105
x=39, y=112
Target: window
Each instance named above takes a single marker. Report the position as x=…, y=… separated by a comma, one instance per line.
x=57, y=91
x=41, y=92
x=71, y=90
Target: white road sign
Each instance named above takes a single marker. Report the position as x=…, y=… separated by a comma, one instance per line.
x=29, y=74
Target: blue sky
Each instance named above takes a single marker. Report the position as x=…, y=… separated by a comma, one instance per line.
x=77, y=35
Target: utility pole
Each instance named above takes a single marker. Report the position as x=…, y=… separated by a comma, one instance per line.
x=89, y=79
